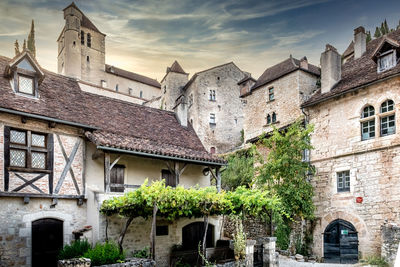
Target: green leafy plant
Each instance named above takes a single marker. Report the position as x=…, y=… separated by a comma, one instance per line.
x=376, y=260
x=239, y=241
x=179, y=263
x=143, y=253
x=76, y=249
x=106, y=253
x=204, y=258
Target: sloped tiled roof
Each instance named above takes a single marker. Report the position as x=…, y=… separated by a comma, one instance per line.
x=119, y=124
x=349, y=50
x=132, y=76
x=246, y=78
x=85, y=20
x=175, y=67
x=358, y=72
x=283, y=68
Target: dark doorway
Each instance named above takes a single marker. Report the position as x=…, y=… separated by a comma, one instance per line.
x=192, y=234
x=47, y=240
x=340, y=242
x=117, y=178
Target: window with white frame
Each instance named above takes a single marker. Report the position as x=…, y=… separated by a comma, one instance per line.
x=343, y=181
x=387, y=60
x=212, y=95
x=26, y=85
x=368, y=123
x=212, y=118
x=388, y=124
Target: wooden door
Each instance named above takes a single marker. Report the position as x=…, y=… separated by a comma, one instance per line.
x=47, y=241
x=340, y=242
x=117, y=177
x=169, y=178
x=192, y=234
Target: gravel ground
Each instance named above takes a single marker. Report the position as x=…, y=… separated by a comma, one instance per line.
x=287, y=262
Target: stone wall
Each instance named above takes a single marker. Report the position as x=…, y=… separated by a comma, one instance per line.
x=374, y=175
x=289, y=92
x=225, y=134
x=16, y=223
x=253, y=228
x=390, y=242
x=132, y=262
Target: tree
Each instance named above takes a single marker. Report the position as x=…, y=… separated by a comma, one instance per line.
x=369, y=38
x=240, y=169
x=377, y=33
x=398, y=26
x=16, y=48
x=31, y=40
x=385, y=25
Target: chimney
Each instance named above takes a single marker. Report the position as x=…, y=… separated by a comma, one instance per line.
x=331, y=68
x=304, y=63
x=360, y=42
x=181, y=111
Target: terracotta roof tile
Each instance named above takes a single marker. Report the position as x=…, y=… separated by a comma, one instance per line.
x=120, y=124
x=132, y=76
x=175, y=67
x=283, y=68
x=358, y=72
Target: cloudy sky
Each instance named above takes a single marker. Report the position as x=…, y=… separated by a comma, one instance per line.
x=147, y=36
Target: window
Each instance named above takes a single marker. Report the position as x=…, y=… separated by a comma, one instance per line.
x=87, y=59
x=141, y=94
x=271, y=94
x=165, y=89
x=343, y=181
x=268, y=119
x=212, y=95
x=212, y=118
x=27, y=149
x=169, y=178
x=273, y=117
x=103, y=83
x=117, y=177
x=161, y=230
x=368, y=126
x=25, y=85
x=116, y=87
x=387, y=60
x=82, y=37
x=305, y=157
x=89, y=40
x=388, y=124
x=190, y=100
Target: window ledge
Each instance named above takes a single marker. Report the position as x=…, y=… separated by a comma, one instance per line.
x=388, y=113
x=269, y=101
x=270, y=124
x=213, y=123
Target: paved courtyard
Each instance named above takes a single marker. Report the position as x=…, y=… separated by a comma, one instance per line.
x=287, y=262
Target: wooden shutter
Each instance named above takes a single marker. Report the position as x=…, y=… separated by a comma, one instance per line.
x=169, y=178
x=117, y=178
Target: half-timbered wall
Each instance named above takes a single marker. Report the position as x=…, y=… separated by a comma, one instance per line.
x=67, y=160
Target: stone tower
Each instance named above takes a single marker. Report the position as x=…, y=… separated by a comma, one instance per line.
x=81, y=47
x=171, y=85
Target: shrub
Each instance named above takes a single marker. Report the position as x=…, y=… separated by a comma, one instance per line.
x=75, y=250
x=239, y=241
x=106, y=253
x=144, y=253
x=376, y=261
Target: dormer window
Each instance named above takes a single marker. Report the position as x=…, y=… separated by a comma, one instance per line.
x=387, y=60
x=25, y=75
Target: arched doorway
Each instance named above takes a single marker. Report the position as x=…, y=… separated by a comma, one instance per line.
x=47, y=240
x=192, y=234
x=340, y=242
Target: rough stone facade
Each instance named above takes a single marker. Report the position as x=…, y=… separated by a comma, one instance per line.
x=171, y=89
x=372, y=164
x=253, y=228
x=390, y=242
x=225, y=133
x=289, y=93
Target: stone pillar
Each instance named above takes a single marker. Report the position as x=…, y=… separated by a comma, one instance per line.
x=250, y=252
x=269, y=255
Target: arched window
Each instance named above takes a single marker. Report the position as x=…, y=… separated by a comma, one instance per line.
x=268, y=119
x=273, y=117
x=82, y=37
x=89, y=40
x=368, y=123
x=388, y=124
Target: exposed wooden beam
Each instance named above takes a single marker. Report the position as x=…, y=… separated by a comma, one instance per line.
x=107, y=174
x=71, y=172
x=29, y=182
x=115, y=162
x=31, y=185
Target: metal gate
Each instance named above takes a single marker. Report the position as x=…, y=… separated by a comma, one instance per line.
x=258, y=255
x=340, y=242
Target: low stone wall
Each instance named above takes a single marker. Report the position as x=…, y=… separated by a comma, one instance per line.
x=253, y=228
x=133, y=262
x=390, y=242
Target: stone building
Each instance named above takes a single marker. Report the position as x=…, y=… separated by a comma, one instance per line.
x=212, y=97
x=81, y=54
x=64, y=150
x=356, y=147
x=274, y=99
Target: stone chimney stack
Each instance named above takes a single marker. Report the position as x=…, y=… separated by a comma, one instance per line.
x=331, y=68
x=181, y=111
x=304, y=63
x=360, y=42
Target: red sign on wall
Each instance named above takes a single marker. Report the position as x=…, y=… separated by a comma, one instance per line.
x=359, y=199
